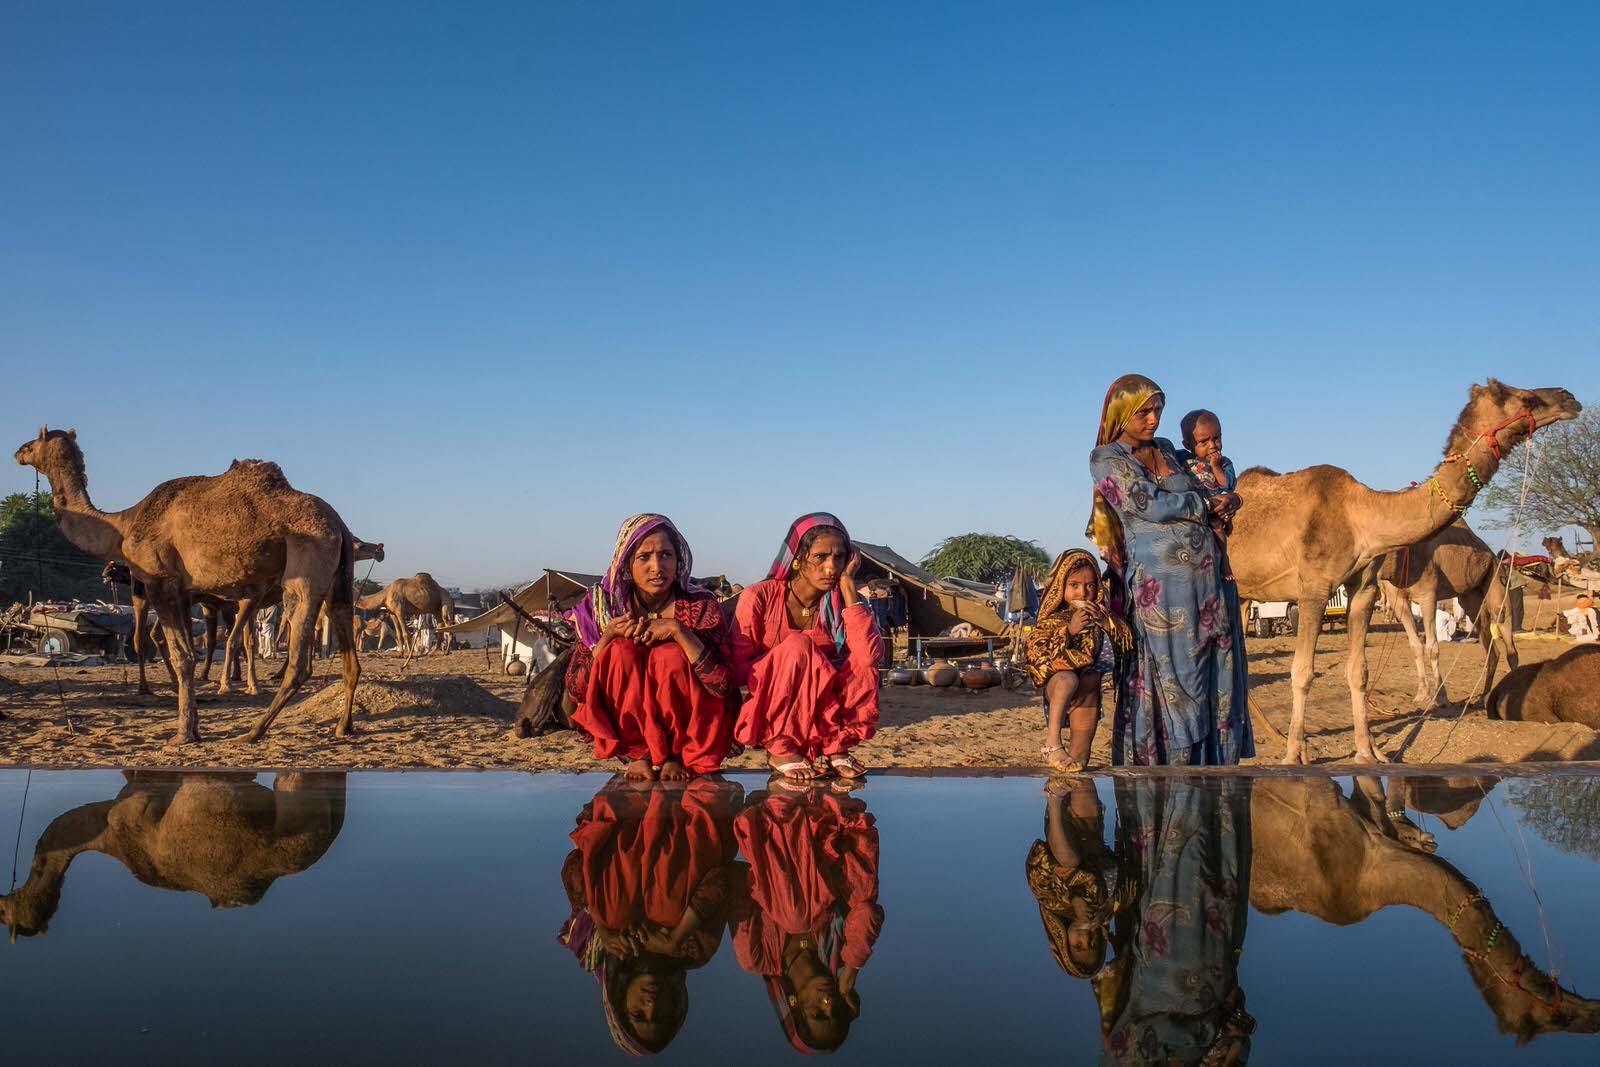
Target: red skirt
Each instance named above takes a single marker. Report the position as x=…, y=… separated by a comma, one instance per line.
x=645, y=703
x=799, y=702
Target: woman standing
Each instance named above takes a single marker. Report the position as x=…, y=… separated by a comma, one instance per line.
x=1181, y=695
x=651, y=671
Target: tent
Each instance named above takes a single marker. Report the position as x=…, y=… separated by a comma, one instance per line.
x=564, y=586
x=932, y=604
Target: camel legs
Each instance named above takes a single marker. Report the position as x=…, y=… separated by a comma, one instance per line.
x=1428, y=601
x=299, y=612
x=402, y=634
x=171, y=609
x=141, y=633
x=243, y=617
x=1491, y=614
x=210, y=614
x=1400, y=604
x=1362, y=601
x=341, y=617
x=1312, y=610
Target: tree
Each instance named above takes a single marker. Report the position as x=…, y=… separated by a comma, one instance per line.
x=979, y=557
x=1564, y=488
x=366, y=587
x=1565, y=811
x=36, y=558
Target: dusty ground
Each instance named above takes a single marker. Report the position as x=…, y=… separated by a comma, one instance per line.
x=456, y=711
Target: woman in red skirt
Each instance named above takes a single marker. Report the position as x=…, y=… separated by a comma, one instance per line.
x=809, y=651
x=651, y=670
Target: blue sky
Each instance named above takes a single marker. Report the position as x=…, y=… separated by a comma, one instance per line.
x=491, y=277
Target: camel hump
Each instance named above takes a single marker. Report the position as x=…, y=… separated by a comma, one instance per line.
x=264, y=472
x=423, y=576
x=1261, y=472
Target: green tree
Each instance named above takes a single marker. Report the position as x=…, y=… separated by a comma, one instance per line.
x=35, y=557
x=366, y=587
x=984, y=557
x=1564, y=488
x=1563, y=810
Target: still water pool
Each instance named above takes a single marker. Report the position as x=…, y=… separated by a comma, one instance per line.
x=506, y=918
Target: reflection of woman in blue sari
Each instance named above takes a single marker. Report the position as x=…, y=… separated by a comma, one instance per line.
x=1171, y=992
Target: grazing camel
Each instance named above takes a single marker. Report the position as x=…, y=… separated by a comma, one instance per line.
x=1454, y=563
x=1342, y=859
x=238, y=535
x=1300, y=536
x=1564, y=689
x=404, y=598
x=218, y=834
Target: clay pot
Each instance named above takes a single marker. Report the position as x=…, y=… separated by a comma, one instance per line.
x=941, y=673
x=516, y=668
x=976, y=678
x=901, y=676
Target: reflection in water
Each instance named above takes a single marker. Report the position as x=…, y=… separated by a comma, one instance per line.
x=1170, y=899
x=1342, y=858
x=218, y=834
x=648, y=879
x=653, y=881
x=808, y=916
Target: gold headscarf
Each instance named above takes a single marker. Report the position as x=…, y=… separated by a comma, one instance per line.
x=1048, y=647
x=1126, y=396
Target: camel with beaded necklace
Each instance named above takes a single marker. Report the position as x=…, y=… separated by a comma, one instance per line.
x=1300, y=536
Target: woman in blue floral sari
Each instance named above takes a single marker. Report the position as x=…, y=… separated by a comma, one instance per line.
x=1182, y=694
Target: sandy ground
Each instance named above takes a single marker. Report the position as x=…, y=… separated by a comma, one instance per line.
x=455, y=711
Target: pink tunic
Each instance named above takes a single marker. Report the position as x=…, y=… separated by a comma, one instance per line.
x=805, y=697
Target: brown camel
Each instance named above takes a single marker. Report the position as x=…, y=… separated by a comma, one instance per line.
x=1453, y=563
x=1342, y=859
x=238, y=535
x=404, y=598
x=1564, y=689
x=1300, y=536
x=218, y=834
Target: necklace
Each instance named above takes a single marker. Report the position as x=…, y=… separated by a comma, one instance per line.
x=805, y=612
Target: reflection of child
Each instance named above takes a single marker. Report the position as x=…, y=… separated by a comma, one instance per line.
x=1202, y=457
x=1066, y=655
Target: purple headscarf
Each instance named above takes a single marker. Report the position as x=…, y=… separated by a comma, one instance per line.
x=613, y=595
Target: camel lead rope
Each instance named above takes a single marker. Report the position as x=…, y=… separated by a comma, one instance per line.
x=16, y=847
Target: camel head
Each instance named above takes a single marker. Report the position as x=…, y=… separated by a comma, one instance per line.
x=27, y=914
x=51, y=451
x=1503, y=416
x=1555, y=548
x=368, y=549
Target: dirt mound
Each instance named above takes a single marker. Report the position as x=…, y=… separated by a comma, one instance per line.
x=436, y=696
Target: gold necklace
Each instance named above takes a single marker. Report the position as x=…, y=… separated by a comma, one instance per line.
x=805, y=612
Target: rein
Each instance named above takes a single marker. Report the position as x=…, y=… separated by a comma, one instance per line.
x=1492, y=436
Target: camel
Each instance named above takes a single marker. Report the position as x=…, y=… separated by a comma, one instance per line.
x=1343, y=859
x=237, y=535
x=1300, y=536
x=219, y=834
x=1454, y=563
x=405, y=598
x=1563, y=689
x=1582, y=570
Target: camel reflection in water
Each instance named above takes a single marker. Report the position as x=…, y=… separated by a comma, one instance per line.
x=1169, y=899
x=654, y=882
x=218, y=834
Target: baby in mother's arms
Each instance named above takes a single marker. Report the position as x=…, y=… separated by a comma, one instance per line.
x=1202, y=457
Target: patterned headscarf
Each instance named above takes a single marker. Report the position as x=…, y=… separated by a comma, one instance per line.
x=783, y=568
x=1126, y=396
x=613, y=595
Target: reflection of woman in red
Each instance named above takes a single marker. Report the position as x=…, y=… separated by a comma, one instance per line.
x=809, y=913
x=648, y=884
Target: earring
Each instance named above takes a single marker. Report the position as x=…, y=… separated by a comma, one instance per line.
x=795, y=565
x=793, y=1000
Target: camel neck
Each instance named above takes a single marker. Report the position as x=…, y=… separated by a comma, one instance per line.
x=96, y=532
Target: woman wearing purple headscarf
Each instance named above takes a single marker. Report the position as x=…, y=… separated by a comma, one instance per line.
x=651, y=672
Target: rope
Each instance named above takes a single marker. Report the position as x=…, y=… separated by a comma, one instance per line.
x=16, y=847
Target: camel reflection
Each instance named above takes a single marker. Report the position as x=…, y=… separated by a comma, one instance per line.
x=1341, y=859
x=648, y=881
x=806, y=915
x=218, y=834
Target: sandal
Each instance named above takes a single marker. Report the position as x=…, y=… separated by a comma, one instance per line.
x=796, y=769
x=1064, y=765
x=847, y=766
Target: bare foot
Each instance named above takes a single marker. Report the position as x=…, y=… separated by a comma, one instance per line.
x=639, y=771
x=673, y=771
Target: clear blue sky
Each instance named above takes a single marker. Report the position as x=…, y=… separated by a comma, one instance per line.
x=491, y=277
